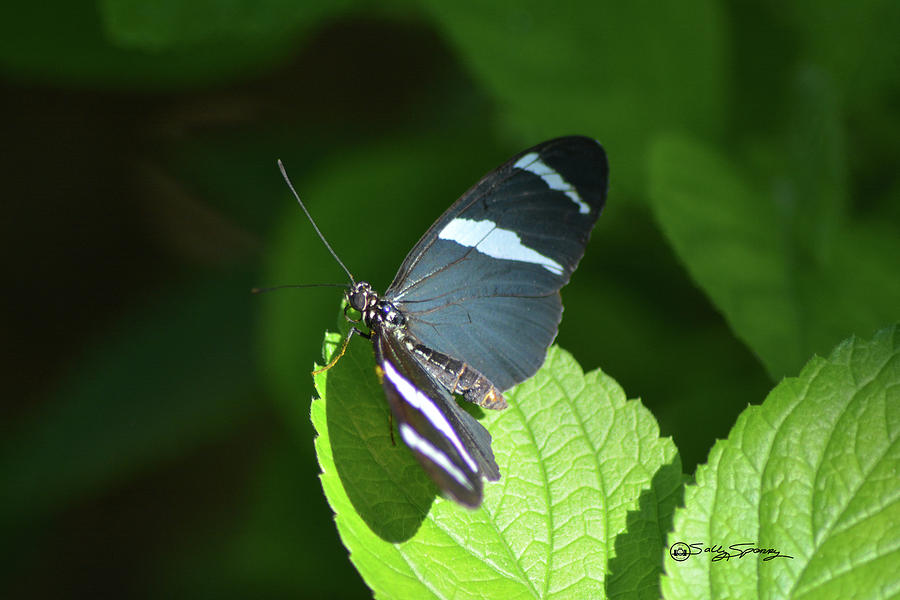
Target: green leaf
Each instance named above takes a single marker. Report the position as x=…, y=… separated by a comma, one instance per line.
x=856, y=41
x=167, y=378
x=731, y=245
x=616, y=71
x=777, y=257
x=580, y=465
x=164, y=24
x=812, y=473
x=105, y=45
x=263, y=557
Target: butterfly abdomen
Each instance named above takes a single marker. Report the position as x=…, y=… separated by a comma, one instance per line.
x=459, y=378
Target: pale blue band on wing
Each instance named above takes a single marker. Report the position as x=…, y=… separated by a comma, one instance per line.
x=420, y=444
x=532, y=163
x=422, y=403
x=495, y=242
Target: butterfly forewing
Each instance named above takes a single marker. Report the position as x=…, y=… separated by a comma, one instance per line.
x=482, y=284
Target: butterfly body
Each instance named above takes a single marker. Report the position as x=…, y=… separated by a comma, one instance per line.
x=475, y=304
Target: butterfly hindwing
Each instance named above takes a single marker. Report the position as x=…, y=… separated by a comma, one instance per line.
x=482, y=285
x=452, y=447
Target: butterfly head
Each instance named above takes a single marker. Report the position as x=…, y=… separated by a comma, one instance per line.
x=361, y=297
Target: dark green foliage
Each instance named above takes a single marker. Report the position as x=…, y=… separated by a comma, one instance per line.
x=156, y=433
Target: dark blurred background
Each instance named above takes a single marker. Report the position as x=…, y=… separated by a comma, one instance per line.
x=155, y=424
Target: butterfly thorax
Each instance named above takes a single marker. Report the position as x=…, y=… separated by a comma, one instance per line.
x=385, y=319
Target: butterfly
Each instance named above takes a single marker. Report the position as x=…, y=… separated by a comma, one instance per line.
x=476, y=304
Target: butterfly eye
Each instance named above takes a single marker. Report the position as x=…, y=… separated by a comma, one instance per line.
x=358, y=301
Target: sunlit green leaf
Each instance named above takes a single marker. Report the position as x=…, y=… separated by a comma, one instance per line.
x=580, y=465
x=811, y=474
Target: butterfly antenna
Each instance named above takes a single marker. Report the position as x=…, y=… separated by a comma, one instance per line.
x=309, y=216
x=257, y=290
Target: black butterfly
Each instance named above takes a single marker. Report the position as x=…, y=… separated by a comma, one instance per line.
x=476, y=304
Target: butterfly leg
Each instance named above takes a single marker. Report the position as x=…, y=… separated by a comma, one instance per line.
x=333, y=361
x=391, y=427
